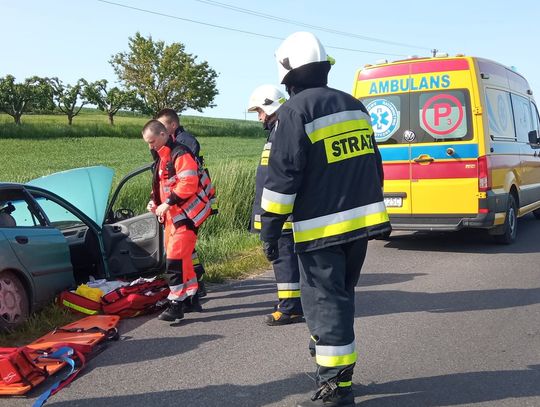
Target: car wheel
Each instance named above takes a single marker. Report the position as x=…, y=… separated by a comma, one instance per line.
x=510, y=223
x=14, y=306
x=536, y=213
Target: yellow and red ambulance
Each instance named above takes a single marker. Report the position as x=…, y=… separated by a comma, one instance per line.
x=459, y=137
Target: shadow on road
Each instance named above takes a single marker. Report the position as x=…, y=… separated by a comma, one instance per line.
x=453, y=389
x=367, y=279
x=370, y=303
x=470, y=240
x=212, y=395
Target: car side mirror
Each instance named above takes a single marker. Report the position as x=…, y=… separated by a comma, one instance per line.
x=533, y=137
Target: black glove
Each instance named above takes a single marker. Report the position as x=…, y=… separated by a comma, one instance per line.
x=271, y=250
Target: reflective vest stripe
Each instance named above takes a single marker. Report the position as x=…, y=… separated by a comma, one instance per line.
x=288, y=286
x=205, y=212
x=340, y=222
x=337, y=123
x=275, y=202
x=332, y=356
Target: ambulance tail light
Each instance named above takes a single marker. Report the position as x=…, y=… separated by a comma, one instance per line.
x=484, y=178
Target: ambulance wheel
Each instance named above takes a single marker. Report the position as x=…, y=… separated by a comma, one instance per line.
x=384, y=236
x=536, y=213
x=14, y=307
x=510, y=223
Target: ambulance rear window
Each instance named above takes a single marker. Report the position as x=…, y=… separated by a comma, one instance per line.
x=421, y=117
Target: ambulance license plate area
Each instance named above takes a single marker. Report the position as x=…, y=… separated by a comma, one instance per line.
x=393, y=202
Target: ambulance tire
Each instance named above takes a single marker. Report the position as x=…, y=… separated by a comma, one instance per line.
x=536, y=213
x=510, y=223
x=383, y=236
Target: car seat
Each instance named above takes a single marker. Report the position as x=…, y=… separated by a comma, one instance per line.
x=7, y=221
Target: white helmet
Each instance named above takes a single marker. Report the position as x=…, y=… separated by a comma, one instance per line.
x=298, y=49
x=267, y=97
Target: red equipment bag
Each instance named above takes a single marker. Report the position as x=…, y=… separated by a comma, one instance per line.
x=17, y=367
x=136, y=299
x=76, y=302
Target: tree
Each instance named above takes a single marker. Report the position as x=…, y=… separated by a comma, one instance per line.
x=67, y=96
x=18, y=98
x=111, y=100
x=165, y=75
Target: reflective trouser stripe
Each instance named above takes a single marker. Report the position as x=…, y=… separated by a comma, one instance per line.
x=340, y=222
x=288, y=290
x=345, y=384
x=181, y=291
x=275, y=202
x=332, y=356
x=282, y=294
x=337, y=123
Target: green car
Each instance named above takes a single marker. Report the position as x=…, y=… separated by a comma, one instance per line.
x=57, y=231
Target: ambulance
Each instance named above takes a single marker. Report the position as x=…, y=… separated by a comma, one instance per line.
x=459, y=137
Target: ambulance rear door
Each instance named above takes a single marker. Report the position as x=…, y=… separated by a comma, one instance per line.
x=443, y=154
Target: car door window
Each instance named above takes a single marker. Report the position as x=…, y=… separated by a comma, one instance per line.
x=17, y=210
x=59, y=216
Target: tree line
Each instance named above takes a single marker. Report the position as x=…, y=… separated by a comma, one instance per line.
x=152, y=76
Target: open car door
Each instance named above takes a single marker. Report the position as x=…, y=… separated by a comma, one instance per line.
x=132, y=236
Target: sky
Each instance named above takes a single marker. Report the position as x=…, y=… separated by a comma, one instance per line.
x=71, y=39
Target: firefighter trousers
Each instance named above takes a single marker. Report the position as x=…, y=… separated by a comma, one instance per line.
x=287, y=277
x=328, y=277
x=179, y=246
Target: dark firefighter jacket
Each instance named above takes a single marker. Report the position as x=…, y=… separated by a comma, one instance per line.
x=260, y=177
x=325, y=169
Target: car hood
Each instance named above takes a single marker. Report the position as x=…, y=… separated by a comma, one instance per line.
x=85, y=188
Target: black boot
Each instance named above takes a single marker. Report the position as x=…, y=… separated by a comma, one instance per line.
x=201, y=292
x=330, y=396
x=192, y=304
x=173, y=312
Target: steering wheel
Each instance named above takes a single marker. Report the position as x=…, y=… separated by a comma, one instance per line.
x=123, y=214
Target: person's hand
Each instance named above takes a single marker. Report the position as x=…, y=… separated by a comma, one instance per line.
x=151, y=207
x=162, y=210
x=271, y=250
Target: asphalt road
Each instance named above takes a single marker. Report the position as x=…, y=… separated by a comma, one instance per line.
x=442, y=320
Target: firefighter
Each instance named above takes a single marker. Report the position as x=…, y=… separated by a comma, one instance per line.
x=326, y=170
x=266, y=100
x=169, y=118
x=175, y=183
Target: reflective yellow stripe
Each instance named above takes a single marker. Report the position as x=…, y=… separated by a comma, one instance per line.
x=337, y=123
x=276, y=202
x=288, y=294
x=345, y=384
x=79, y=308
x=286, y=225
x=338, y=128
x=340, y=228
x=336, y=360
